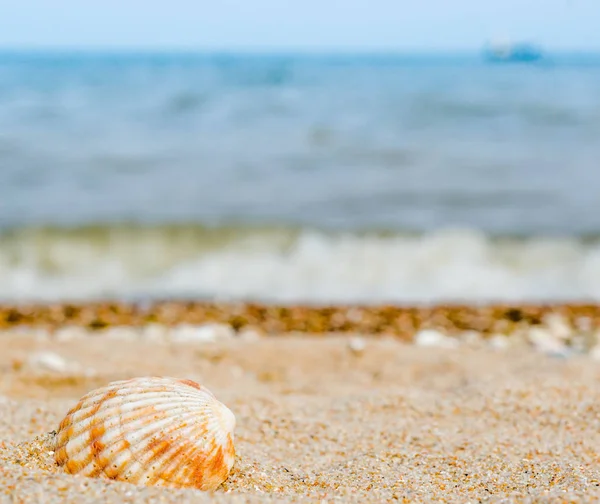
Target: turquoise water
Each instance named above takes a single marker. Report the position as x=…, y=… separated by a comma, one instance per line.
x=402, y=172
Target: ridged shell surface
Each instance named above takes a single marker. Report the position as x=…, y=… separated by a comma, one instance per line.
x=157, y=431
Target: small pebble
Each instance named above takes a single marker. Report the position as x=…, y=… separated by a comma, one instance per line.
x=357, y=345
x=545, y=341
x=206, y=333
x=432, y=338
x=48, y=361
x=558, y=326
x=498, y=342
x=69, y=333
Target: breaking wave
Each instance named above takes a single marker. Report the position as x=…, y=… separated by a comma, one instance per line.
x=292, y=265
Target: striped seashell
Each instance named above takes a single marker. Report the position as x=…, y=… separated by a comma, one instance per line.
x=149, y=431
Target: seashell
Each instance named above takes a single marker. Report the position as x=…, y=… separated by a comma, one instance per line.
x=156, y=431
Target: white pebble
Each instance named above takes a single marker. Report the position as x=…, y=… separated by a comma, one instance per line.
x=357, y=345
x=546, y=342
x=432, y=338
x=69, y=333
x=48, y=361
x=498, y=342
x=558, y=326
x=201, y=334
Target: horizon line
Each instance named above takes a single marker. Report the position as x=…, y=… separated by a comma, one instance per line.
x=270, y=51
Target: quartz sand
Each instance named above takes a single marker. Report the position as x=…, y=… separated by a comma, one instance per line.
x=332, y=419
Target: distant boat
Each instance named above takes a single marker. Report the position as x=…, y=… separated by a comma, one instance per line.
x=518, y=53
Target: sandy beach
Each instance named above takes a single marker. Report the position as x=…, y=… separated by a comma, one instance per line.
x=341, y=418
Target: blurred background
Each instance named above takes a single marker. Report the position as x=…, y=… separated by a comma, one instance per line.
x=314, y=151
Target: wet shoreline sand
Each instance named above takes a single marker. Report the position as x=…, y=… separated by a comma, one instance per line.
x=340, y=417
x=387, y=319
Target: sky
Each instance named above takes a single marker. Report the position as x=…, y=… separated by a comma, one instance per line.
x=304, y=25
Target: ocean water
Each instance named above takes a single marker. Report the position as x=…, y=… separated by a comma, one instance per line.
x=299, y=178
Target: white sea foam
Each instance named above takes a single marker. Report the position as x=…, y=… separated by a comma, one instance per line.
x=305, y=266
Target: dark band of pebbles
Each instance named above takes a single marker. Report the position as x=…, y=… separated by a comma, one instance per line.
x=400, y=321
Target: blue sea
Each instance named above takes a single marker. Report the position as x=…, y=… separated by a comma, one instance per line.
x=299, y=178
